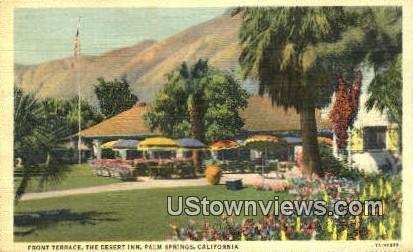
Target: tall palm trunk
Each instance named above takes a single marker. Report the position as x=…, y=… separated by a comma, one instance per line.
x=308, y=123
x=195, y=117
x=197, y=129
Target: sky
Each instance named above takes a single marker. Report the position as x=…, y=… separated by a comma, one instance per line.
x=45, y=34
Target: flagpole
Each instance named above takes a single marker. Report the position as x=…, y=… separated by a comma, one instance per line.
x=79, y=141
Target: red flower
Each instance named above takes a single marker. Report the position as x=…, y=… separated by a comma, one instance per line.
x=345, y=108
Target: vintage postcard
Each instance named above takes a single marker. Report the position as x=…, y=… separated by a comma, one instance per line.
x=231, y=126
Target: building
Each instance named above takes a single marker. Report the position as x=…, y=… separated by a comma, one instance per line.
x=261, y=117
x=374, y=139
x=129, y=124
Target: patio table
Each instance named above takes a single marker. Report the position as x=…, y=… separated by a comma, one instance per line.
x=164, y=170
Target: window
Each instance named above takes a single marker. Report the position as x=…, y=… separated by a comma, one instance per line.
x=374, y=138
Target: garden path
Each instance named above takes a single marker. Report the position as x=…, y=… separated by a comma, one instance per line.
x=142, y=183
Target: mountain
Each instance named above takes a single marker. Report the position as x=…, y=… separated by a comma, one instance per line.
x=144, y=65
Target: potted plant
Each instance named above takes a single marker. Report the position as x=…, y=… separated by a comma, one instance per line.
x=213, y=173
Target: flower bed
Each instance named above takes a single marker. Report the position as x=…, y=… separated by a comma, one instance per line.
x=271, y=185
x=330, y=189
x=112, y=168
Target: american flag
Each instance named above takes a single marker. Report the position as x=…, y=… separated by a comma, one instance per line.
x=76, y=48
x=76, y=52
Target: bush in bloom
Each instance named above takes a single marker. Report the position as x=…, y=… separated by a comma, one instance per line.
x=330, y=189
x=277, y=185
x=299, y=160
x=345, y=108
x=227, y=229
x=112, y=167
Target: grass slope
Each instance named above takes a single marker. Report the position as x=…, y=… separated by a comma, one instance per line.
x=121, y=215
x=78, y=176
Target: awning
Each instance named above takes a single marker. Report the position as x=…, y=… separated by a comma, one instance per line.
x=157, y=143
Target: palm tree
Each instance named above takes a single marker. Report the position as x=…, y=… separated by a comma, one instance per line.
x=278, y=47
x=296, y=53
x=34, y=141
x=198, y=101
x=195, y=80
x=385, y=90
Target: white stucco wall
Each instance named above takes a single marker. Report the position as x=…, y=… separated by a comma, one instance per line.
x=369, y=161
x=373, y=117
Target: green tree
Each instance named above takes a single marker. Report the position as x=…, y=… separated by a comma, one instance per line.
x=385, y=92
x=225, y=97
x=34, y=141
x=62, y=115
x=114, y=96
x=296, y=53
x=277, y=49
x=195, y=79
x=200, y=102
x=384, y=36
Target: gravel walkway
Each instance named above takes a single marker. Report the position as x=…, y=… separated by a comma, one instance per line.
x=142, y=183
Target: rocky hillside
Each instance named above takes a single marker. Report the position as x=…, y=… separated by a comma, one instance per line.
x=144, y=64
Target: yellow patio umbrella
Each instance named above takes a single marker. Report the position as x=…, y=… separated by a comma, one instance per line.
x=157, y=143
x=262, y=143
x=108, y=145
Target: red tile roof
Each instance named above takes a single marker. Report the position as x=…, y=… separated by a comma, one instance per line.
x=129, y=123
x=260, y=115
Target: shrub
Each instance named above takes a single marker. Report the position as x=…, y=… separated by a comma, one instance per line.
x=293, y=227
x=330, y=164
x=299, y=160
x=213, y=174
x=112, y=167
x=270, y=185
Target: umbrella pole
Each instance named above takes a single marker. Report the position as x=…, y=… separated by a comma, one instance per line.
x=262, y=163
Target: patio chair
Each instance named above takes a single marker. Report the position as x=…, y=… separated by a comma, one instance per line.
x=106, y=172
x=160, y=170
x=185, y=169
x=283, y=166
x=98, y=172
x=166, y=170
x=152, y=169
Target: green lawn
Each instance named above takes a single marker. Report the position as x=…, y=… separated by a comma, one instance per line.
x=78, y=176
x=121, y=215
